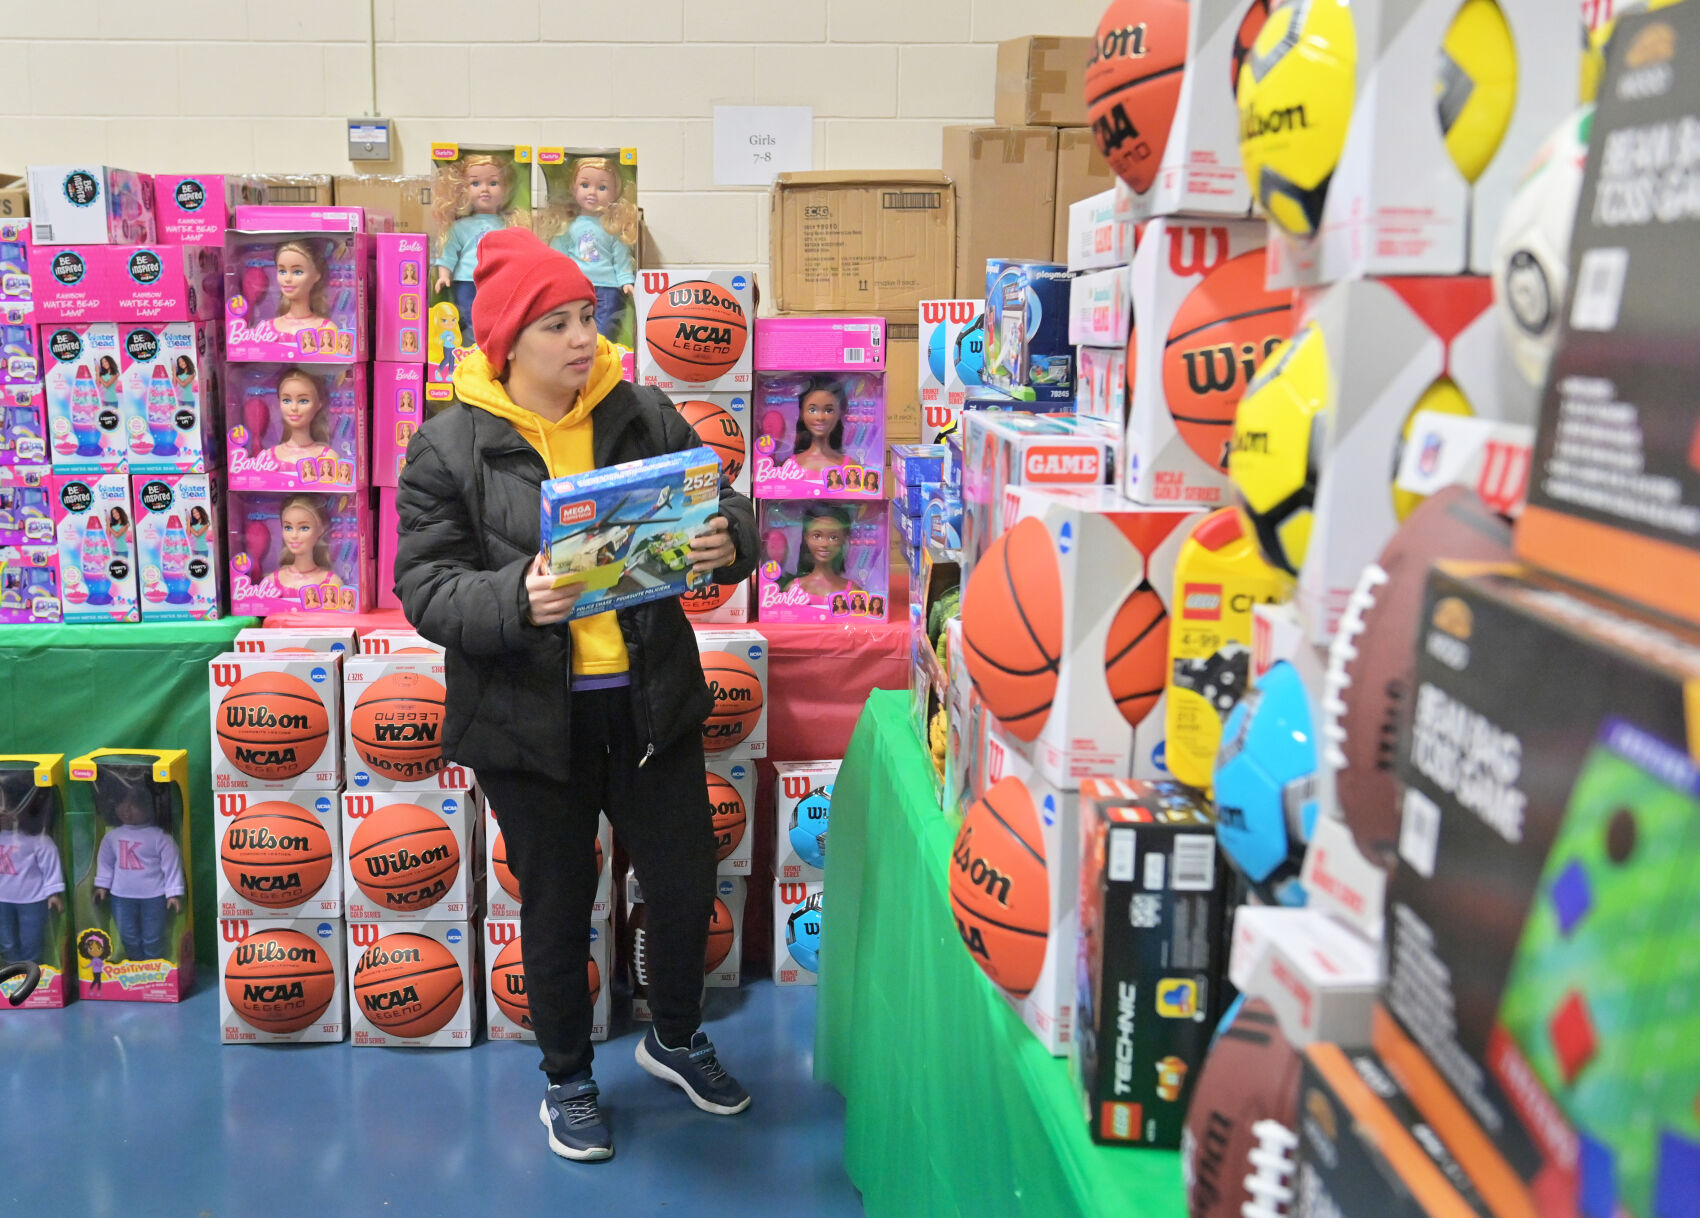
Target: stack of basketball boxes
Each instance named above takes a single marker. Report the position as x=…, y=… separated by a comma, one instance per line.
x=399, y=300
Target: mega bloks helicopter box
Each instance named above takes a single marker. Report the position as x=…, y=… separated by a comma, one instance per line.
x=625, y=532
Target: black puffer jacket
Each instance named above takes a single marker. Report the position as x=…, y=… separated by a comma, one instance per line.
x=468, y=503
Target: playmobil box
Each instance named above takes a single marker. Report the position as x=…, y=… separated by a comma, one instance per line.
x=802, y=815
x=398, y=410
x=399, y=298
x=163, y=283
x=504, y=894
x=279, y=853
x=192, y=209
x=23, y=425
x=29, y=585
x=132, y=901
x=169, y=386
x=409, y=855
x=20, y=351
x=820, y=435
x=80, y=377
x=823, y=562
x=35, y=876
x=180, y=567
x=624, y=532
x=92, y=521
x=26, y=505
x=393, y=706
x=796, y=932
x=264, y=640
x=282, y=980
x=275, y=719
x=732, y=801
x=507, y=1011
x=413, y=985
x=296, y=296
x=820, y=344
x=952, y=348
x=299, y=553
x=1027, y=320
x=694, y=330
x=1100, y=309
x=72, y=284
x=296, y=427
x=1100, y=232
x=734, y=663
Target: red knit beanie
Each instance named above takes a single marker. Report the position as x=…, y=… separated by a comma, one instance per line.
x=519, y=279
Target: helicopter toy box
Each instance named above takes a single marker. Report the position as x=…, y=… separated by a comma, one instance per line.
x=625, y=532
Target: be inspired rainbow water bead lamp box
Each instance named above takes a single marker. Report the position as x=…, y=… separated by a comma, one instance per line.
x=180, y=568
x=92, y=517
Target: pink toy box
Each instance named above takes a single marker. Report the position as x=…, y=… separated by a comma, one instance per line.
x=179, y=548
x=389, y=536
x=823, y=562
x=167, y=282
x=299, y=553
x=192, y=209
x=398, y=409
x=399, y=294
x=276, y=218
x=168, y=386
x=296, y=427
x=92, y=520
x=296, y=296
x=29, y=586
x=15, y=243
x=820, y=435
x=26, y=509
x=23, y=425
x=35, y=873
x=20, y=354
x=90, y=205
x=72, y=283
x=820, y=344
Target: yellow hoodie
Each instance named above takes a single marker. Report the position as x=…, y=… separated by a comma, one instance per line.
x=599, y=649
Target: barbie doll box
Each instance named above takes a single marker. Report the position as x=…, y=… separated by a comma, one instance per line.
x=413, y=985
x=90, y=205
x=296, y=426
x=35, y=876
x=296, y=296
x=164, y=282
x=280, y=853
x=398, y=410
x=180, y=568
x=734, y=662
x=394, y=710
x=399, y=298
x=282, y=980
x=299, y=553
x=507, y=1010
x=820, y=435
x=97, y=566
x=168, y=390
x=823, y=562
x=625, y=532
x=409, y=855
x=820, y=344
x=274, y=721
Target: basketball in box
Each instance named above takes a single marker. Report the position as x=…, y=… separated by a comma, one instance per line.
x=797, y=912
x=275, y=720
x=1002, y=449
x=413, y=985
x=29, y=585
x=504, y=894
x=90, y=205
x=134, y=917
x=282, y=980
x=952, y=349
x=823, y=562
x=72, y=284
x=590, y=213
x=399, y=297
x=397, y=640
x=35, y=845
x=1547, y=1031
x=296, y=296
x=694, y=330
x=26, y=505
x=409, y=855
x=802, y=814
x=20, y=362
x=719, y=604
x=80, y=377
x=820, y=344
x=820, y=435
x=624, y=532
x=507, y=1010
x=734, y=664
x=92, y=518
x=1101, y=380
x=1026, y=329
x=23, y=425
x=398, y=409
x=299, y=553
x=1203, y=323
x=296, y=427
x=1152, y=947
x=264, y=640
x=192, y=209
x=723, y=963
x=1100, y=309
x=394, y=709
x=724, y=422
x=732, y=801
x=279, y=853
x=163, y=283
x=169, y=387
x=180, y=567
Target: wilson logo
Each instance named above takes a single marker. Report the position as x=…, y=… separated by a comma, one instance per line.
x=1076, y=463
x=1275, y=122
x=452, y=778
x=1202, y=602
x=795, y=786
x=225, y=675
x=793, y=894
x=1201, y=258
x=956, y=312
x=269, y=952
x=232, y=804
x=364, y=934
x=577, y=513
x=358, y=807
x=234, y=930
x=655, y=282
x=1504, y=481
x=994, y=760
x=501, y=933
x=1220, y=367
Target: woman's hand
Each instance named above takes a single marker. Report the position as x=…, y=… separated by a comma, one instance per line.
x=548, y=604
x=714, y=548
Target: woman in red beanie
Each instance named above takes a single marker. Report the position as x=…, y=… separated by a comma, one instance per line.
x=564, y=720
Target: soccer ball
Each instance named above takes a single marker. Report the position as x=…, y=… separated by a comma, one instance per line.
x=1296, y=92
x=1442, y=397
x=1266, y=781
x=1475, y=85
x=802, y=933
x=1531, y=253
x=1278, y=435
x=809, y=821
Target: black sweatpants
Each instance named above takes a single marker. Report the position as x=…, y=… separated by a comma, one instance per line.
x=661, y=813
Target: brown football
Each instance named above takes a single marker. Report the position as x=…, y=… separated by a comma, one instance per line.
x=1239, y=1151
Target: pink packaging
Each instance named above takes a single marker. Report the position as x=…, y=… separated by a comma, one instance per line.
x=839, y=416
x=330, y=541
x=81, y=379
x=72, y=283
x=296, y=426
x=192, y=209
x=168, y=386
x=321, y=320
x=15, y=261
x=26, y=505
x=94, y=523
x=29, y=586
x=164, y=282
x=179, y=549
x=822, y=562
x=398, y=408
x=820, y=344
x=274, y=218
x=389, y=536
x=23, y=425
x=399, y=294
x=20, y=354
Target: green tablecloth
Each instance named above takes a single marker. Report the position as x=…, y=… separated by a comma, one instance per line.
x=73, y=689
x=954, y=1108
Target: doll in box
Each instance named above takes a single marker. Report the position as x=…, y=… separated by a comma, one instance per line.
x=821, y=407
x=137, y=867
x=95, y=947
x=474, y=198
x=821, y=557
x=306, y=428
x=200, y=524
x=32, y=877
x=600, y=236
x=305, y=524
x=302, y=286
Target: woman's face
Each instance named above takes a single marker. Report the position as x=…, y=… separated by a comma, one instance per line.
x=820, y=413
x=825, y=541
x=297, y=401
x=558, y=348
x=484, y=189
x=301, y=530
x=296, y=275
x=594, y=189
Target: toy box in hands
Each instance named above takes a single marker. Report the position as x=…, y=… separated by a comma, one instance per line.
x=97, y=570
x=296, y=296
x=413, y=985
x=132, y=901
x=409, y=854
x=398, y=410
x=282, y=980
x=26, y=509
x=624, y=532
x=192, y=209
x=1203, y=323
x=821, y=435
x=797, y=911
x=274, y=721
x=509, y=1010
x=1001, y=449
x=504, y=896
x=280, y=853
x=90, y=205
x=694, y=330
x=266, y=640
x=1544, y=1030
x=296, y=427
x=29, y=585
x=180, y=567
x=823, y=562
x=734, y=662
x=163, y=283
x=1152, y=934
x=732, y=800
x=72, y=284
x=169, y=384
x=393, y=704
x=80, y=377
x=802, y=815
x=299, y=553
x=1027, y=346
x=398, y=298
x=23, y=425
x=35, y=883
x=952, y=360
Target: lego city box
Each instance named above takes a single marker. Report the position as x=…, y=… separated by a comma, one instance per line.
x=279, y=854
x=281, y=980
x=35, y=877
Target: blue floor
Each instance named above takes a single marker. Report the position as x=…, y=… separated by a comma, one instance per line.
x=111, y=1109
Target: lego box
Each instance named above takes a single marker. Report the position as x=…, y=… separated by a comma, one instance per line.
x=413, y=985
x=802, y=814
x=275, y=721
x=797, y=913
x=282, y=980
x=694, y=330
x=507, y=1011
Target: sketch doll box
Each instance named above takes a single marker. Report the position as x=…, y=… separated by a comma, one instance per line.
x=476, y=189
x=296, y=427
x=80, y=380
x=23, y=425
x=625, y=531
x=35, y=873
x=26, y=507
x=820, y=435
x=590, y=214
x=97, y=571
x=163, y=282
x=134, y=916
x=29, y=586
x=20, y=353
x=299, y=553
x=180, y=569
x=399, y=297
x=823, y=562
x=296, y=296
x=168, y=389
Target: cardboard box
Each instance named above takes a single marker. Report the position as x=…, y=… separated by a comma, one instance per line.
x=802, y=814
x=90, y=205
x=507, y=1011
x=395, y=743
x=169, y=392
x=39, y=850
x=92, y=515
x=737, y=727
x=388, y=962
x=284, y=189
x=180, y=569
x=1005, y=196
x=265, y=744
x=732, y=799
x=903, y=410
x=270, y=853
x=164, y=282
x=282, y=980
x=797, y=912
x=1042, y=80
x=193, y=209
x=14, y=197
x=262, y=640
x=865, y=242
x=681, y=364
x=1082, y=173
x=406, y=199
x=1099, y=233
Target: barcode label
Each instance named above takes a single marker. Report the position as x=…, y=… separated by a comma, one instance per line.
x=1599, y=289
x=855, y=355
x=1195, y=862
x=1121, y=855
x=1154, y=866
x=1419, y=833
x=43, y=234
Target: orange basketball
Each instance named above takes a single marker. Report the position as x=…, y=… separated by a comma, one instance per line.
x=1136, y=654
x=499, y=866
x=1133, y=84
x=716, y=428
x=729, y=815
x=397, y=726
x=1220, y=335
x=696, y=331
x=404, y=857
x=1012, y=627
x=272, y=726
x=1000, y=890
x=293, y=651
x=737, y=700
x=719, y=936
x=595, y=978
x=279, y=980
x=507, y=983
x=408, y=985
x=707, y=598
x=276, y=854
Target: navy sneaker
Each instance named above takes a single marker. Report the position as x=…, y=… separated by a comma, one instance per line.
x=696, y=1071
x=575, y=1123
